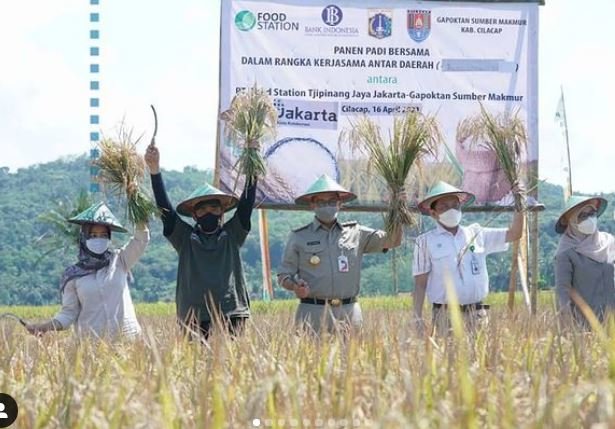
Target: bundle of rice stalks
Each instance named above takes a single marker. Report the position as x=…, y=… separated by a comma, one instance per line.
x=251, y=118
x=63, y=236
x=121, y=171
x=413, y=137
x=505, y=135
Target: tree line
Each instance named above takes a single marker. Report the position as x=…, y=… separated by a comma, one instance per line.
x=30, y=266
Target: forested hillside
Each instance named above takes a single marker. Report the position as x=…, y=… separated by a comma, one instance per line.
x=28, y=277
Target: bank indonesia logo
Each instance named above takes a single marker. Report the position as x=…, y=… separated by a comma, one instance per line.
x=245, y=20
x=332, y=15
x=419, y=24
x=380, y=24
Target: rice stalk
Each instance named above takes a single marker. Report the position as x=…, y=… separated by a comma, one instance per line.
x=250, y=119
x=62, y=236
x=505, y=135
x=121, y=171
x=413, y=137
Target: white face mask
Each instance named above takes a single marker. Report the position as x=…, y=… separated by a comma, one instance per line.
x=450, y=218
x=588, y=226
x=97, y=245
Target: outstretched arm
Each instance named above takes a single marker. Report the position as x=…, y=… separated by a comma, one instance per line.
x=71, y=307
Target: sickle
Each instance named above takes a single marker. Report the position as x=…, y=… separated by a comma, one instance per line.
x=13, y=317
x=155, y=125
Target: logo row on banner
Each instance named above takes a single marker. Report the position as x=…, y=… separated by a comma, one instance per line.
x=379, y=23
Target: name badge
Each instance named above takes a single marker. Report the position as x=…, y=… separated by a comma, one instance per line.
x=342, y=264
x=474, y=265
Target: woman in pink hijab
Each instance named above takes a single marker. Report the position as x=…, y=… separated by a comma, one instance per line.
x=584, y=259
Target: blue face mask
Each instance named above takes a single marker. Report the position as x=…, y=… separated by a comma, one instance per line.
x=326, y=213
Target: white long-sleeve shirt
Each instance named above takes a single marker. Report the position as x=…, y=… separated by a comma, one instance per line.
x=100, y=304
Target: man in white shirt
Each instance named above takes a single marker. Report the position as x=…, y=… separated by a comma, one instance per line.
x=456, y=254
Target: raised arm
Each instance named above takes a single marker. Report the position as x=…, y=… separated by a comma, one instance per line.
x=246, y=204
x=134, y=249
x=169, y=216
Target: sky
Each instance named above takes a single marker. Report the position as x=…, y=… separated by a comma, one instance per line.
x=166, y=54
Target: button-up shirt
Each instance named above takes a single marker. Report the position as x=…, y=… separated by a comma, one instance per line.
x=459, y=259
x=329, y=260
x=100, y=304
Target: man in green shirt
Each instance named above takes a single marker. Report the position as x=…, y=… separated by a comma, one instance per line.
x=210, y=278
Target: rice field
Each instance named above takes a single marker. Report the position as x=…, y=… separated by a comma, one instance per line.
x=520, y=372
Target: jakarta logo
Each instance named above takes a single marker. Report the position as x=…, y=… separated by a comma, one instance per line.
x=380, y=23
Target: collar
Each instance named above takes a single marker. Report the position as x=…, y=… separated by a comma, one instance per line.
x=441, y=230
x=316, y=224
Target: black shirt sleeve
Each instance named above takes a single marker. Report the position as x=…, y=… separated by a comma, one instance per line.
x=246, y=203
x=169, y=216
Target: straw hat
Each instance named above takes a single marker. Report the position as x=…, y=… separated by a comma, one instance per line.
x=443, y=189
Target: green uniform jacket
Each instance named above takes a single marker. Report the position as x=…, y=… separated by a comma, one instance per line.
x=210, y=271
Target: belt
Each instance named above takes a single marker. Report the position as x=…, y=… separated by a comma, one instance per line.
x=465, y=307
x=333, y=302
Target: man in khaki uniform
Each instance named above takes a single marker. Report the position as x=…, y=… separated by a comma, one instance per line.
x=322, y=260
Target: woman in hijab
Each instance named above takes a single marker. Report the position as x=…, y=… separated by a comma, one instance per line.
x=95, y=294
x=584, y=259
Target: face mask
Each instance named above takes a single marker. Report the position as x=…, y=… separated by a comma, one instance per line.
x=450, y=218
x=97, y=246
x=588, y=226
x=209, y=222
x=327, y=213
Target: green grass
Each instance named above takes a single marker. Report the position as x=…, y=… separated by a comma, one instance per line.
x=401, y=302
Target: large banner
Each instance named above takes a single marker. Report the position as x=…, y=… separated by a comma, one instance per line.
x=326, y=63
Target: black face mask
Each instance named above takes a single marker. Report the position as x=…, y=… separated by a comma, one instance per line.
x=209, y=222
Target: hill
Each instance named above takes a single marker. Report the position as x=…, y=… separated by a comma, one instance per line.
x=29, y=278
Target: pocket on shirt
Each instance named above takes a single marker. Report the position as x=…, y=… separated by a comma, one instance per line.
x=439, y=253
x=350, y=249
x=307, y=252
x=443, y=260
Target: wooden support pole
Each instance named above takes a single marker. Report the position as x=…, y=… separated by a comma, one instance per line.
x=534, y=264
x=395, y=273
x=265, y=257
x=519, y=265
x=512, y=282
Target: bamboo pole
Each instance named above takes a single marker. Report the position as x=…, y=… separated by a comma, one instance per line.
x=519, y=266
x=265, y=257
x=395, y=277
x=534, y=263
x=523, y=266
x=512, y=282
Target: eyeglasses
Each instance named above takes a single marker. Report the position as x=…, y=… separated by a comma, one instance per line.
x=587, y=214
x=441, y=207
x=326, y=203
